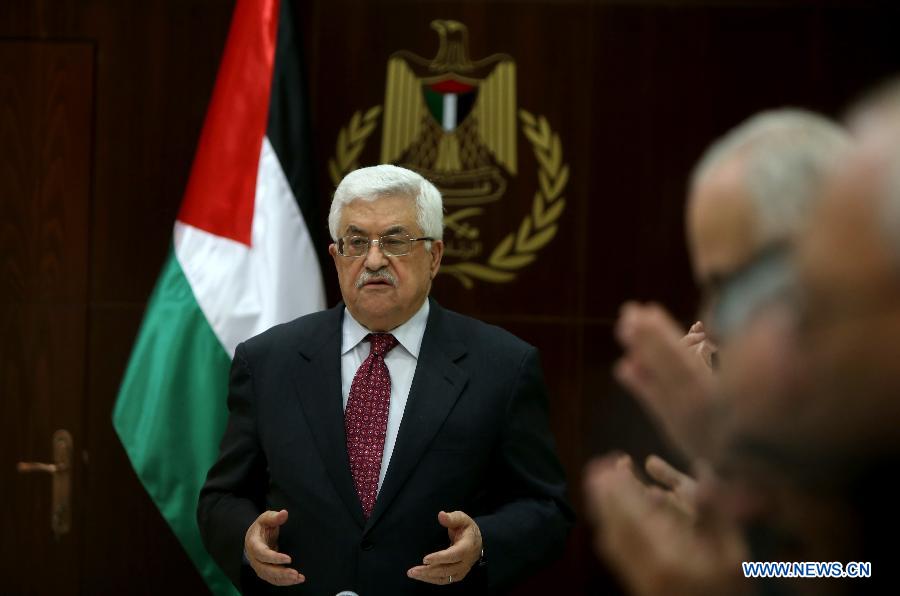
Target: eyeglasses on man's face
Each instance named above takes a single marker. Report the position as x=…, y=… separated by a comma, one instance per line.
x=392, y=245
x=732, y=300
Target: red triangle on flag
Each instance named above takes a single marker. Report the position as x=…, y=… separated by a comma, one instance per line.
x=220, y=192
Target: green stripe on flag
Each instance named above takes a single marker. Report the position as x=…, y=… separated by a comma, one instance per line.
x=171, y=410
x=435, y=103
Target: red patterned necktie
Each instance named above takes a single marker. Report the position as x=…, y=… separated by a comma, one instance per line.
x=365, y=419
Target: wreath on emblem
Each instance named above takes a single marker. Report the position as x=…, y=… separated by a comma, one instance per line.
x=518, y=249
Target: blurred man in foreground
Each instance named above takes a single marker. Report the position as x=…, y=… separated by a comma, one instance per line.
x=849, y=266
x=850, y=305
x=750, y=198
x=830, y=449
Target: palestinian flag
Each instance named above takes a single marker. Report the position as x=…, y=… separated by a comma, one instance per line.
x=243, y=259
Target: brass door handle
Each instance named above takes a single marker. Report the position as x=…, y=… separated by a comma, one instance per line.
x=61, y=472
x=32, y=466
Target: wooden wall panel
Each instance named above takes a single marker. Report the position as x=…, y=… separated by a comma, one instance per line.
x=156, y=64
x=45, y=132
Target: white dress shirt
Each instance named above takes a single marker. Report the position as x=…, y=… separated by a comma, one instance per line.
x=401, y=364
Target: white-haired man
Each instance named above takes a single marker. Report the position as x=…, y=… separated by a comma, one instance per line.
x=849, y=266
x=363, y=437
x=750, y=200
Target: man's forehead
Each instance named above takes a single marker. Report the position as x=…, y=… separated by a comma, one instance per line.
x=723, y=235
x=395, y=228
x=379, y=215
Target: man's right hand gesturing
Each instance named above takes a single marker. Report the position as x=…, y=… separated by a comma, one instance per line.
x=261, y=548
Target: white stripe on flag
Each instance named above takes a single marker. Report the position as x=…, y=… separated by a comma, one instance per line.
x=449, y=122
x=243, y=291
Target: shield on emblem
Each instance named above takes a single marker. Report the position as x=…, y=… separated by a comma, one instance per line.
x=449, y=101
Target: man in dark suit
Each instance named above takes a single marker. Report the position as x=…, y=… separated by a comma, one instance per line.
x=387, y=445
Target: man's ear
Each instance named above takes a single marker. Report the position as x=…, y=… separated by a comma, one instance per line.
x=332, y=250
x=437, y=252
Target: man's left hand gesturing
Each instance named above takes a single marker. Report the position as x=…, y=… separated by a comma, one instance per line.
x=452, y=564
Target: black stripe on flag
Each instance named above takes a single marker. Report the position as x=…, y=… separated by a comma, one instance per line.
x=289, y=125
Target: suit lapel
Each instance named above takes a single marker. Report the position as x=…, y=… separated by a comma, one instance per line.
x=318, y=382
x=436, y=386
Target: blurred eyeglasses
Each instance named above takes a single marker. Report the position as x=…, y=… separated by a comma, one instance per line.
x=766, y=279
x=392, y=245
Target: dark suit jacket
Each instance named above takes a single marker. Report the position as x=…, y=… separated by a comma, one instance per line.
x=474, y=438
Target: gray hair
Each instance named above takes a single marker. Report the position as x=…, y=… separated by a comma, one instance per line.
x=877, y=115
x=375, y=182
x=890, y=207
x=786, y=155
x=888, y=201
x=869, y=113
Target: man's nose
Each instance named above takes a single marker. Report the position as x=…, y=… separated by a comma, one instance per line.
x=375, y=259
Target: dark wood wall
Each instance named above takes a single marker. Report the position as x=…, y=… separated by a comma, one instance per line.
x=116, y=94
x=102, y=103
x=45, y=188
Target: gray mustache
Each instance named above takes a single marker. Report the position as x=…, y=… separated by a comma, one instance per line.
x=382, y=274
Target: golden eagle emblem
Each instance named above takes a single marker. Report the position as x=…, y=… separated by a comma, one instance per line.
x=454, y=120
x=451, y=119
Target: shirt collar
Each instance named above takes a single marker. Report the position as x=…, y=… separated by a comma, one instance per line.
x=409, y=334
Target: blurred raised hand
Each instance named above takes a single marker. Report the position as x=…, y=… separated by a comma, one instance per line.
x=653, y=546
x=669, y=372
